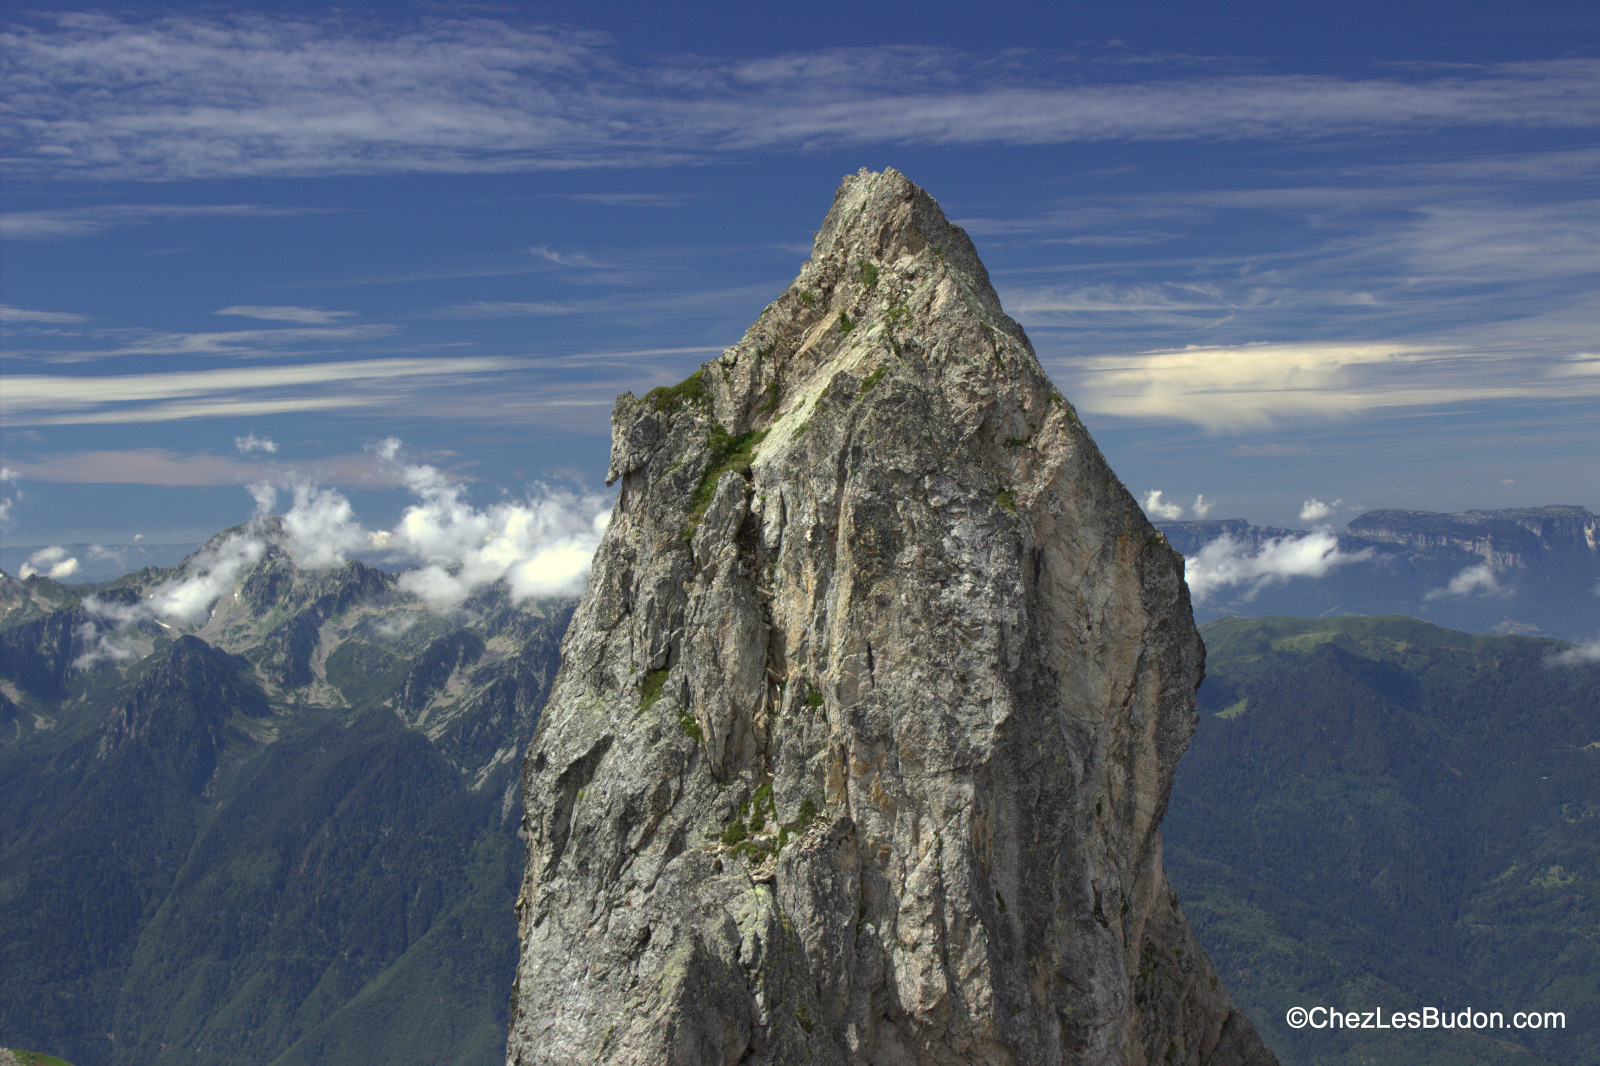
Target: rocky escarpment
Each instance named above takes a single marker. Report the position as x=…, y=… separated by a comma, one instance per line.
x=1507, y=538
x=867, y=721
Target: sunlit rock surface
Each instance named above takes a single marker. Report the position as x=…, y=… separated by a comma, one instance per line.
x=868, y=719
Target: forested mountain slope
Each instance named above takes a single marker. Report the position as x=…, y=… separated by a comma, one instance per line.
x=1377, y=812
x=284, y=831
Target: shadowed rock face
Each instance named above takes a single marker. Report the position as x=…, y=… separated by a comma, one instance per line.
x=869, y=716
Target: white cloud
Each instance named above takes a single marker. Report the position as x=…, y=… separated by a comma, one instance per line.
x=577, y=259
x=98, y=647
x=1154, y=507
x=185, y=600
x=306, y=316
x=83, y=221
x=162, y=97
x=1226, y=562
x=390, y=628
x=1202, y=506
x=229, y=342
x=1471, y=580
x=40, y=399
x=510, y=309
x=1314, y=510
x=1253, y=386
x=321, y=528
x=188, y=599
x=55, y=318
x=252, y=443
x=53, y=562
x=629, y=199
x=8, y=503
x=1577, y=655
x=539, y=546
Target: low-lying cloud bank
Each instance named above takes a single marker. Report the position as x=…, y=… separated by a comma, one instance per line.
x=1578, y=655
x=1228, y=563
x=1472, y=579
x=540, y=545
x=53, y=562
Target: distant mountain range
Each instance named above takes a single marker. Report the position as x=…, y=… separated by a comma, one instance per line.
x=1375, y=812
x=1533, y=571
x=93, y=562
x=283, y=832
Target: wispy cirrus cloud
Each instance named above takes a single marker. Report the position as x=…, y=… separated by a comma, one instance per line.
x=240, y=342
x=84, y=221
x=307, y=316
x=511, y=309
x=38, y=399
x=567, y=259
x=24, y=316
x=186, y=97
x=1255, y=386
x=164, y=466
x=629, y=199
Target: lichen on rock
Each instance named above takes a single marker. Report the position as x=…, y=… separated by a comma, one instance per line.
x=867, y=721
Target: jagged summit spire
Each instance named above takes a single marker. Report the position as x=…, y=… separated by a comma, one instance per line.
x=888, y=216
x=868, y=717
x=891, y=284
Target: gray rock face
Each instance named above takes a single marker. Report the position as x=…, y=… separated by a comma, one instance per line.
x=867, y=721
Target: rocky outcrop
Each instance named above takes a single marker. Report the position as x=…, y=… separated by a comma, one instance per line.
x=867, y=721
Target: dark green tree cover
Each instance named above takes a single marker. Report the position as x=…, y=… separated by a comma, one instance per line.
x=200, y=865
x=1377, y=812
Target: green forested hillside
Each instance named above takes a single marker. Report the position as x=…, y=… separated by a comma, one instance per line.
x=1375, y=811
x=286, y=836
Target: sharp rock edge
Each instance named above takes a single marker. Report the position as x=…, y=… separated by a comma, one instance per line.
x=868, y=718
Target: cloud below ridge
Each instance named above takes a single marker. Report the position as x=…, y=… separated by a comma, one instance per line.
x=1577, y=655
x=1228, y=563
x=1472, y=580
x=538, y=546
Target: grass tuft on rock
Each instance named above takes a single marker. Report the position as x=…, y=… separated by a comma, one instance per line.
x=690, y=727
x=650, y=689
x=727, y=453
x=669, y=399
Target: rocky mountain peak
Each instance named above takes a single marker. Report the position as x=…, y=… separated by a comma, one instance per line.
x=866, y=723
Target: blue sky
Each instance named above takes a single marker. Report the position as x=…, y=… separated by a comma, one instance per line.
x=1279, y=253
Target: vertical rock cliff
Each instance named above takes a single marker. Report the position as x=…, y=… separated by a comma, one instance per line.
x=868, y=719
